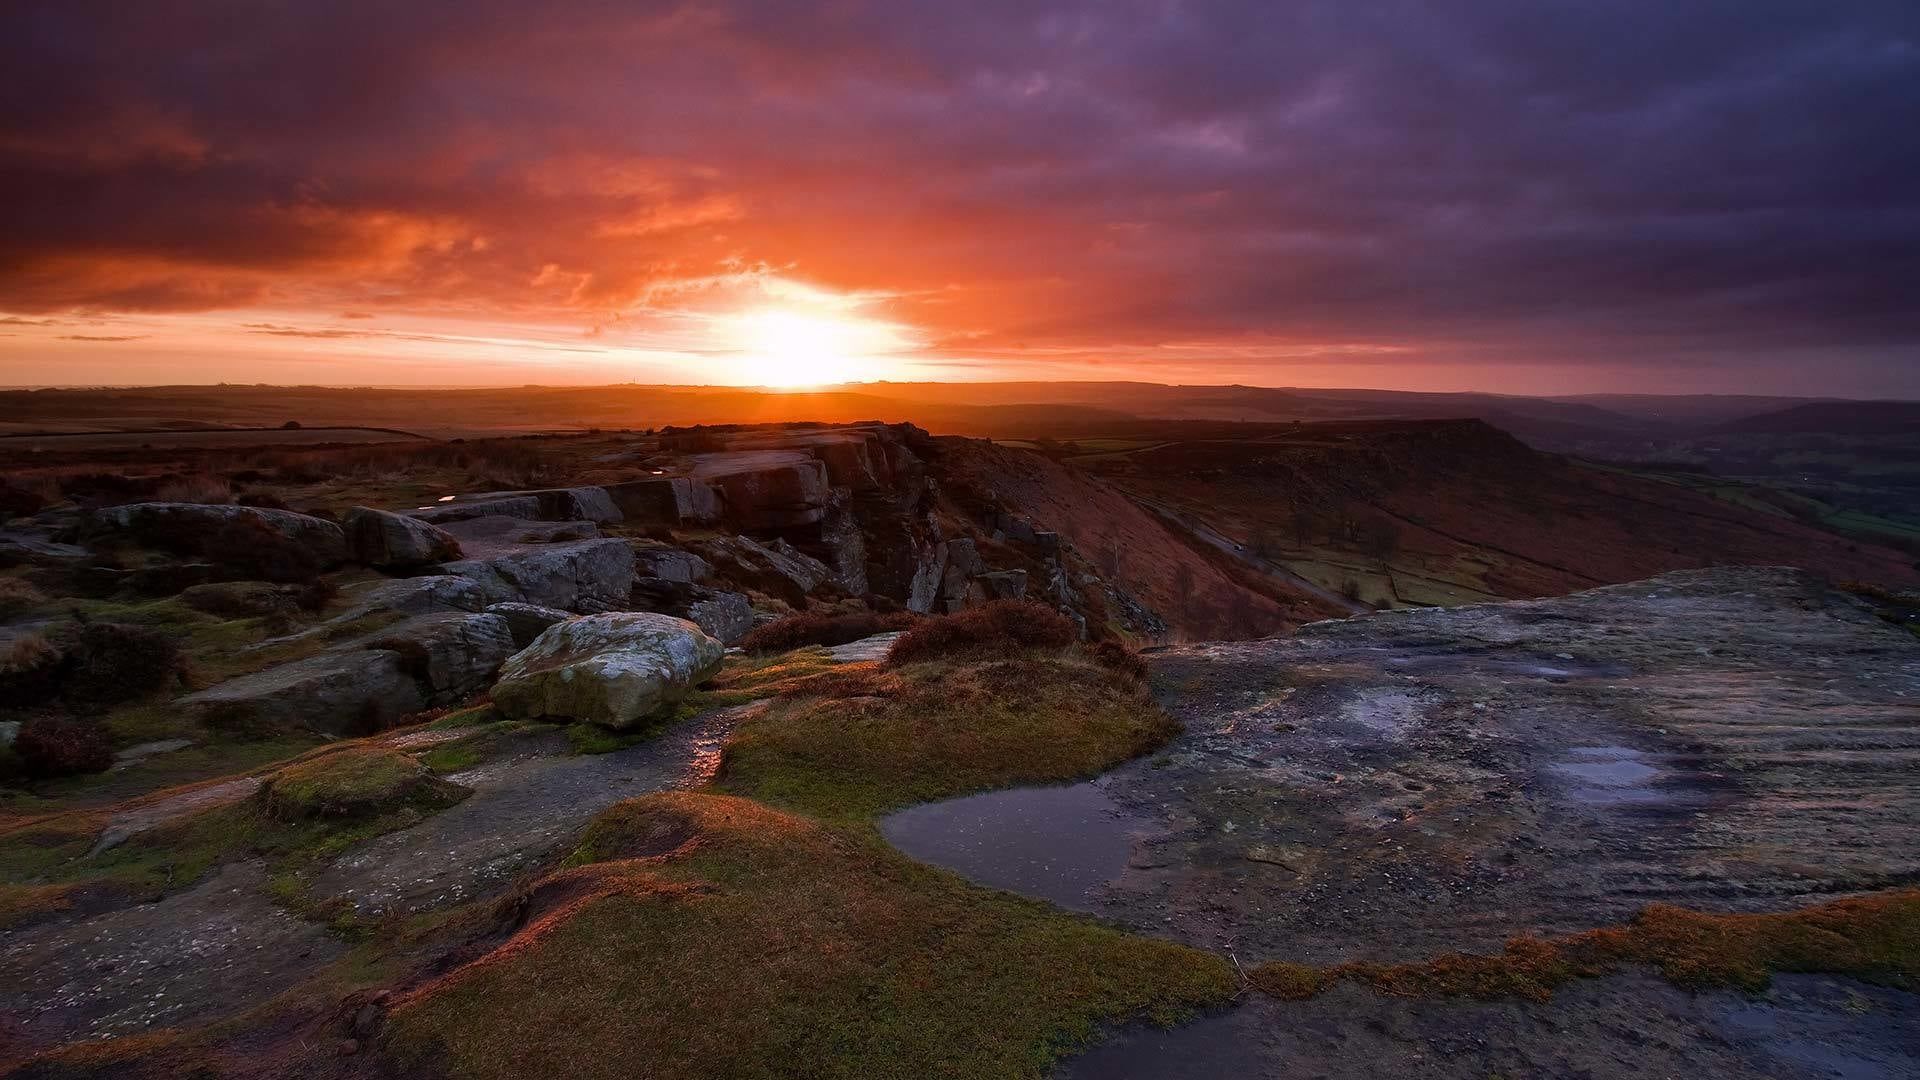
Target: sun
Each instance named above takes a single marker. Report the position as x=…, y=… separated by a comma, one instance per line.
x=788, y=347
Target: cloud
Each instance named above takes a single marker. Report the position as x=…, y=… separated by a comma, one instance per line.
x=1565, y=183
x=103, y=337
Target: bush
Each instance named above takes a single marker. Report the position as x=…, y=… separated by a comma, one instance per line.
x=195, y=488
x=1000, y=627
x=51, y=746
x=107, y=663
x=1115, y=655
x=30, y=670
x=796, y=631
x=17, y=596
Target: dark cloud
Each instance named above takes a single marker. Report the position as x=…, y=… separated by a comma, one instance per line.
x=102, y=337
x=1549, y=179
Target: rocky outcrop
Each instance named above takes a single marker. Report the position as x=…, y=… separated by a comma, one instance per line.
x=190, y=525
x=395, y=541
x=724, y=615
x=585, y=576
x=654, y=559
x=666, y=500
x=453, y=654
x=777, y=569
x=1001, y=585
x=616, y=670
x=345, y=692
x=765, y=489
x=526, y=621
x=589, y=503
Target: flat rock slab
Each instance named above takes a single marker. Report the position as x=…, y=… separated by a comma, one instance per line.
x=523, y=804
x=1402, y=784
x=867, y=648
x=213, y=950
x=1625, y=1027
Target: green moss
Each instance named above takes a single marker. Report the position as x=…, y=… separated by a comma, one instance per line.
x=469, y=717
x=585, y=738
x=941, y=730
x=354, y=780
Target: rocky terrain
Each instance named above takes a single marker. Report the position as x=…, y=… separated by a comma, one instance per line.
x=348, y=761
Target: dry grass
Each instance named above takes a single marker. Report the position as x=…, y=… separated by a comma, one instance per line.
x=1873, y=938
x=17, y=596
x=195, y=488
x=700, y=935
x=809, y=628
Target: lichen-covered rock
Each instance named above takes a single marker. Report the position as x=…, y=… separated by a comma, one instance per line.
x=777, y=569
x=665, y=500
x=526, y=621
x=1002, y=584
x=345, y=692
x=587, y=576
x=767, y=489
x=616, y=670
x=182, y=522
x=419, y=595
x=392, y=541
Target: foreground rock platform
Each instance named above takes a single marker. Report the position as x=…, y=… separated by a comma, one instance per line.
x=1408, y=783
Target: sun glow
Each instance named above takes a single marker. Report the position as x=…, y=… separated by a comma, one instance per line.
x=789, y=347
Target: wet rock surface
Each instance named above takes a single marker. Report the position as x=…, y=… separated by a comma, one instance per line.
x=1408, y=783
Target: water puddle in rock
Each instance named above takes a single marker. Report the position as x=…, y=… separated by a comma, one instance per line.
x=1609, y=774
x=1053, y=843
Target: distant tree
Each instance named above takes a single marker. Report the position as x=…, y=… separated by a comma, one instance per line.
x=1260, y=542
x=1378, y=537
x=1305, y=521
x=291, y=425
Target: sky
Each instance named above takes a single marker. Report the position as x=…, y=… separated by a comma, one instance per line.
x=1530, y=196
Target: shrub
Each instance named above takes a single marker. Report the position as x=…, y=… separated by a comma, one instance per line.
x=16, y=501
x=51, y=746
x=30, y=671
x=17, y=596
x=109, y=663
x=195, y=488
x=1000, y=627
x=796, y=631
x=1115, y=655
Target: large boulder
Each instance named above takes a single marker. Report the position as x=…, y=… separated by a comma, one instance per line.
x=526, y=621
x=724, y=615
x=191, y=525
x=396, y=541
x=453, y=654
x=616, y=670
x=654, y=559
x=344, y=692
x=587, y=576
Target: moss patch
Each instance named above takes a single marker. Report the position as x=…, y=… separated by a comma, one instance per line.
x=1872, y=938
x=355, y=780
x=702, y=935
x=939, y=730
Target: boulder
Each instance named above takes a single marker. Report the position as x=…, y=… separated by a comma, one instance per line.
x=344, y=692
x=395, y=541
x=526, y=507
x=189, y=524
x=928, y=572
x=418, y=595
x=1002, y=584
x=844, y=550
x=241, y=599
x=454, y=654
x=584, y=576
x=724, y=615
x=769, y=489
x=963, y=562
x=548, y=504
x=526, y=621
x=616, y=670
x=654, y=559
x=665, y=500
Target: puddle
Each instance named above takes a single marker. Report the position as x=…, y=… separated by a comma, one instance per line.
x=1609, y=774
x=1058, y=844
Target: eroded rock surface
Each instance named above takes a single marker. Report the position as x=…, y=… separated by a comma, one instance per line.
x=1407, y=783
x=394, y=541
x=586, y=575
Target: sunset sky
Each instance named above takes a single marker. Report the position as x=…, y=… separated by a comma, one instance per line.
x=1529, y=196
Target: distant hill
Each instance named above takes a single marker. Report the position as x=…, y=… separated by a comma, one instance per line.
x=1838, y=417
